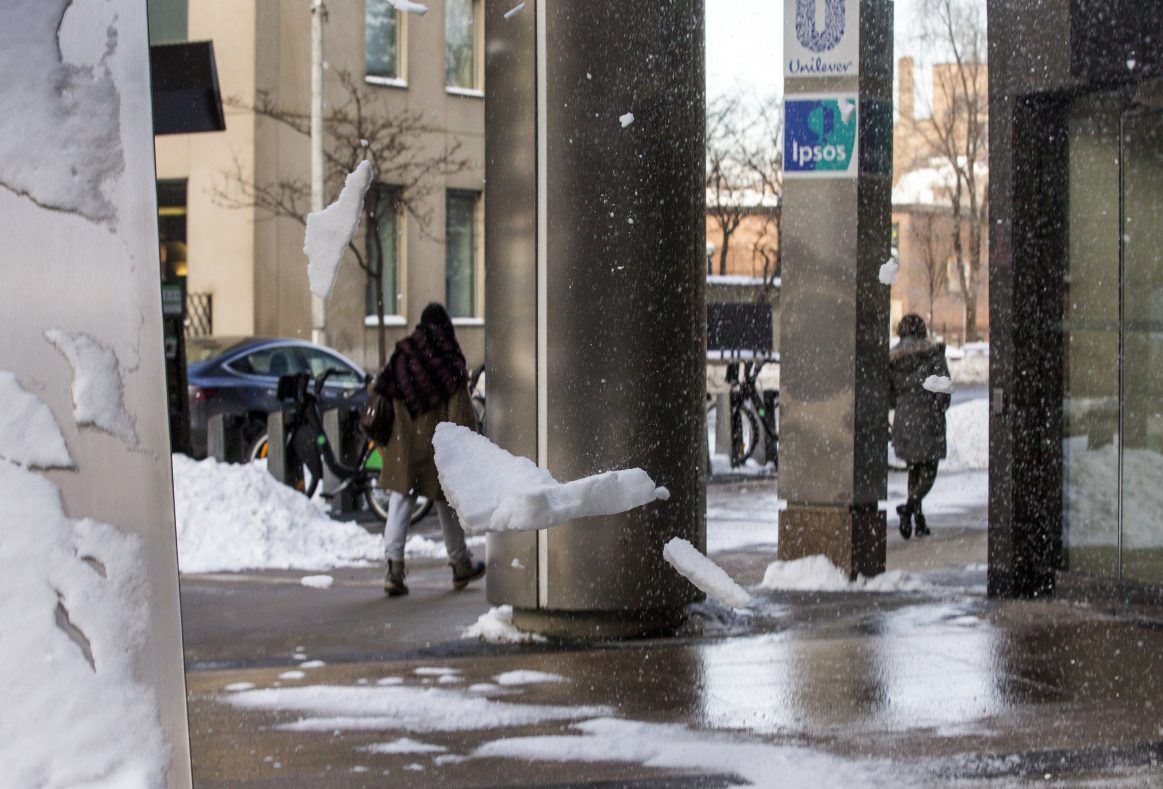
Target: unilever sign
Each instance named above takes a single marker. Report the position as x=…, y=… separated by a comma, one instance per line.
x=820, y=136
x=821, y=38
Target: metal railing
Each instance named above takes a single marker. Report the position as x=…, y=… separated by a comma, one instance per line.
x=199, y=314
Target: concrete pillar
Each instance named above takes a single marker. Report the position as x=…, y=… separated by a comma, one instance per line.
x=595, y=296
x=834, y=324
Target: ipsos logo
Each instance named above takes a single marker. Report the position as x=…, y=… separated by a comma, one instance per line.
x=820, y=40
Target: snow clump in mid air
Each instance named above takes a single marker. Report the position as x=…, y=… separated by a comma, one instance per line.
x=938, y=384
x=512, y=12
x=626, y=119
x=408, y=7
x=98, y=391
x=496, y=627
x=492, y=490
x=705, y=574
x=29, y=434
x=329, y=231
x=847, y=107
x=888, y=271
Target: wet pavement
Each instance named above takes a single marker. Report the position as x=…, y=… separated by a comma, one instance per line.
x=940, y=686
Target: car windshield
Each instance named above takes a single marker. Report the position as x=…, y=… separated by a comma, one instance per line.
x=199, y=349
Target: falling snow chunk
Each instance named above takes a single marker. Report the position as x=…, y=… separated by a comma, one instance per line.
x=408, y=7
x=888, y=271
x=98, y=391
x=847, y=106
x=512, y=12
x=516, y=564
x=29, y=433
x=317, y=581
x=938, y=384
x=492, y=490
x=1131, y=64
x=705, y=574
x=496, y=627
x=329, y=231
x=626, y=119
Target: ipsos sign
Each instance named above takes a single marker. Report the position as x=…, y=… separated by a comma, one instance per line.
x=821, y=38
x=820, y=136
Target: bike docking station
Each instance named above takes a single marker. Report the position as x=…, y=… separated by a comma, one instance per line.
x=836, y=228
x=595, y=255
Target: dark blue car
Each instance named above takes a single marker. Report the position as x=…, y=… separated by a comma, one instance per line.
x=239, y=376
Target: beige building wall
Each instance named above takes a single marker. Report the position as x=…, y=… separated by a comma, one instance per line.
x=220, y=240
x=253, y=264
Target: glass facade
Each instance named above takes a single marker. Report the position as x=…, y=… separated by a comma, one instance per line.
x=381, y=40
x=1113, y=341
x=384, y=238
x=460, y=44
x=460, y=251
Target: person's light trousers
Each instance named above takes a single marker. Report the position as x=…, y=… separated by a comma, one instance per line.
x=400, y=509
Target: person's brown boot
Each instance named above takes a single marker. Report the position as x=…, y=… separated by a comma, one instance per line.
x=394, y=585
x=464, y=573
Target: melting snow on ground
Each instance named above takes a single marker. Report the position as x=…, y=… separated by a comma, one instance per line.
x=29, y=433
x=705, y=574
x=73, y=611
x=329, y=231
x=492, y=490
x=98, y=392
x=317, y=581
x=526, y=677
x=329, y=708
x=817, y=574
x=238, y=517
x=495, y=626
x=403, y=745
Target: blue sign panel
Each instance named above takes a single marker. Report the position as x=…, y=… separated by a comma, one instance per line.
x=820, y=136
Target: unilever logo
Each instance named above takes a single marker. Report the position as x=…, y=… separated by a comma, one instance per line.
x=820, y=40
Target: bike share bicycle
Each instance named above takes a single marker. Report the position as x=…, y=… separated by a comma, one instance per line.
x=307, y=449
x=753, y=413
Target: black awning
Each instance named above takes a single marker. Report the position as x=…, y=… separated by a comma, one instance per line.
x=186, y=98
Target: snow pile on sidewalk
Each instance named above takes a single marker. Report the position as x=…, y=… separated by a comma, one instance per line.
x=817, y=574
x=967, y=436
x=495, y=626
x=705, y=574
x=492, y=490
x=29, y=433
x=73, y=613
x=238, y=517
x=330, y=230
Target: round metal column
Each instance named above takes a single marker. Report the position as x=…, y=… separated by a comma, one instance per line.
x=595, y=296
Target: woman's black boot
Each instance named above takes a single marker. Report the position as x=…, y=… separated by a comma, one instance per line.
x=922, y=528
x=905, y=511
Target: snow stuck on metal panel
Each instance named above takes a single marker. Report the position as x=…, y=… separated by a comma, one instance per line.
x=98, y=391
x=329, y=231
x=29, y=434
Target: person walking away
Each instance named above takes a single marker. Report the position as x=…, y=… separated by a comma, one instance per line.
x=918, y=430
x=426, y=380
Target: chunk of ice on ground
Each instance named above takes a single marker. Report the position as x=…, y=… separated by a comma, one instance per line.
x=403, y=745
x=626, y=119
x=888, y=271
x=408, y=7
x=495, y=626
x=235, y=687
x=29, y=433
x=938, y=384
x=818, y=574
x=317, y=581
x=292, y=675
x=330, y=230
x=512, y=12
x=526, y=677
x=492, y=490
x=435, y=671
x=313, y=664
x=98, y=392
x=705, y=574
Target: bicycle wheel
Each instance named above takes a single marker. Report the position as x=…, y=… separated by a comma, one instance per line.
x=377, y=501
x=744, y=435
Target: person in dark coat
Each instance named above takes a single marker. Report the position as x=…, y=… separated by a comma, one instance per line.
x=918, y=429
x=427, y=381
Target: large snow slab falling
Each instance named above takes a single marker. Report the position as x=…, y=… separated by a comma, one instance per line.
x=73, y=612
x=705, y=574
x=330, y=230
x=29, y=434
x=492, y=490
x=98, y=391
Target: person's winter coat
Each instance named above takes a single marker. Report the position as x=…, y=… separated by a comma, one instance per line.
x=427, y=381
x=918, y=429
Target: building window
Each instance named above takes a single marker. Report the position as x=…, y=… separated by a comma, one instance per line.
x=461, y=252
x=167, y=21
x=462, y=27
x=382, y=28
x=385, y=235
